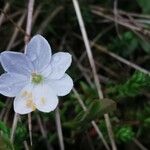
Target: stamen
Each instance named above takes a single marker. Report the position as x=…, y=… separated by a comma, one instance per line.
x=27, y=94
x=24, y=94
x=30, y=104
x=37, y=78
x=43, y=100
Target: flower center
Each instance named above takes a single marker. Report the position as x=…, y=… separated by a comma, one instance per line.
x=37, y=78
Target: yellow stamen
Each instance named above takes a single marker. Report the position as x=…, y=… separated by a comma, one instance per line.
x=24, y=94
x=30, y=104
x=43, y=101
x=27, y=94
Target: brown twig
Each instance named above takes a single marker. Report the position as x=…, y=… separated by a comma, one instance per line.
x=26, y=39
x=14, y=126
x=117, y=57
x=20, y=29
x=139, y=144
x=91, y=60
x=122, y=21
x=5, y=10
x=59, y=129
x=92, y=122
x=16, y=31
x=49, y=18
x=43, y=131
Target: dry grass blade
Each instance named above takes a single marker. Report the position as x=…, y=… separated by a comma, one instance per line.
x=5, y=10
x=44, y=133
x=26, y=145
x=16, y=31
x=14, y=126
x=59, y=129
x=92, y=122
x=139, y=144
x=26, y=39
x=96, y=79
x=136, y=67
x=10, y=19
x=121, y=20
x=48, y=19
x=117, y=57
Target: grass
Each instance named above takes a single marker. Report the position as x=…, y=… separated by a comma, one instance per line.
x=110, y=49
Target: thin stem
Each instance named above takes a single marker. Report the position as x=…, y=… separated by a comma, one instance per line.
x=87, y=46
x=16, y=31
x=26, y=145
x=14, y=126
x=91, y=60
x=117, y=57
x=92, y=122
x=29, y=20
x=121, y=59
x=30, y=127
x=44, y=133
x=5, y=10
x=49, y=18
x=59, y=129
x=139, y=144
x=20, y=29
x=26, y=39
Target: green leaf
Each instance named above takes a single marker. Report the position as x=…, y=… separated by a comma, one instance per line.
x=125, y=133
x=96, y=109
x=2, y=104
x=5, y=143
x=132, y=87
x=4, y=129
x=146, y=46
x=145, y=5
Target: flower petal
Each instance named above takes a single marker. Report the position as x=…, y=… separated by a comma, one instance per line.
x=46, y=71
x=16, y=63
x=23, y=103
x=39, y=51
x=62, y=86
x=45, y=98
x=32, y=96
x=60, y=62
x=12, y=83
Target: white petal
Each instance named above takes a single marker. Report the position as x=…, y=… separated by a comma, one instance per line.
x=60, y=62
x=12, y=83
x=45, y=98
x=23, y=103
x=16, y=62
x=62, y=86
x=46, y=72
x=39, y=51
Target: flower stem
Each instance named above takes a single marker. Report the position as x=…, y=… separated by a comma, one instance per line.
x=14, y=126
x=59, y=129
x=28, y=31
x=30, y=127
x=93, y=67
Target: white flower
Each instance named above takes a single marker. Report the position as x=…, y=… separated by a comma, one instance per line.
x=35, y=78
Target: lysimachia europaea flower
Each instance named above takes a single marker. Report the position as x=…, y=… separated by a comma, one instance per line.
x=35, y=78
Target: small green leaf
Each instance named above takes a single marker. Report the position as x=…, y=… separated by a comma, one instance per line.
x=2, y=104
x=146, y=46
x=96, y=109
x=4, y=129
x=5, y=143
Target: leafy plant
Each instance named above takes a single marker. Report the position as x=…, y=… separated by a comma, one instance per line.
x=124, y=133
x=132, y=87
